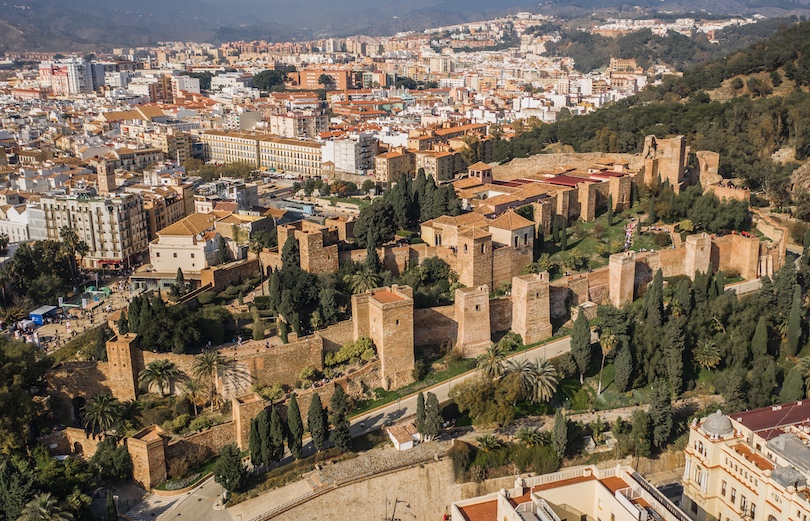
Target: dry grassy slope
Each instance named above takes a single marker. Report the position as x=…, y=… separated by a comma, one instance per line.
x=547, y=163
x=725, y=92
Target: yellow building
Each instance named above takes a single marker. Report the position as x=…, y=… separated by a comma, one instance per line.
x=749, y=466
x=264, y=151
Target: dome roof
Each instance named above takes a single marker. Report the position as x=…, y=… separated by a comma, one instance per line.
x=718, y=424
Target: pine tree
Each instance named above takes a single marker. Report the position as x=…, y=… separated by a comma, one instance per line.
x=610, y=210
x=793, y=387
x=661, y=413
x=640, y=433
x=295, y=426
x=290, y=254
x=340, y=434
x=277, y=435
x=682, y=299
x=228, y=470
x=420, y=412
x=624, y=368
x=317, y=423
x=794, y=333
x=433, y=417
x=581, y=344
x=255, y=444
x=560, y=434
x=759, y=342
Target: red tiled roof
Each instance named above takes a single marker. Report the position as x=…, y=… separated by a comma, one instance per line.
x=768, y=418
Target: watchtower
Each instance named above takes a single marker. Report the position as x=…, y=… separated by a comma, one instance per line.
x=148, y=452
x=474, y=257
x=531, y=310
x=472, y=319
x=125, y=361
x=390, y=319
x=622, y=272
x=698, y=254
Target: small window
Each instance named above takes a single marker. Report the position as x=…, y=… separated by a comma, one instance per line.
x=482, y=248
x=723, y=488
x=465, y=248
x=397, y=321
x=477, y=307
x=192, y=255
x=525, y=239
x=157, y=255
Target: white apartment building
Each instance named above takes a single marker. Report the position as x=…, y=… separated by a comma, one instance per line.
x=185, y=83
x=15, y=225
x=114, y=227
x=298, y=124
x=749, y=466
x=191, y=244
x=614, y=494
x=354, y=153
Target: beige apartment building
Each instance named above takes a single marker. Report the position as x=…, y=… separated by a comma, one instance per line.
x=615, y=494
x=749, y=466
x=264, y=151
x=114, y=227
x=393, y=165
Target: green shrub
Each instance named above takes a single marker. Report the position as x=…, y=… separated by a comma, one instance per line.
x=363, y=348
x=200, y=423
x=181, y=422
x=206, y=297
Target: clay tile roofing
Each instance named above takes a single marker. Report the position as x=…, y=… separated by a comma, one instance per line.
x=509, y=220
x=480, y=166
x=467, y=182
x=194, y=224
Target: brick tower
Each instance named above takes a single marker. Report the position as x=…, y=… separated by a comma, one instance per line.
x=148, y=452
x=472, y=319
x=622, y=273
x=531, y=313
x=245, y=408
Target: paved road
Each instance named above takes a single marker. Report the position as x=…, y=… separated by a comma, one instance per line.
x=199, y=504
x=742, y=288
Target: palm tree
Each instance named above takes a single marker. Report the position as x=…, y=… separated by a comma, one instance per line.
x=529, y=436
x=44, y=508
x=70, y=239
x=489, y=442
x=524, y=371
x=364, y=280
x=211, y=365
x=607, y=341
x=707, y=354
x=490, y=363
x=4, y=240
x=82, y=249
x=195, y=391
x=545, y=380
x=101, y=413
x=160, y=373
x=257, y=248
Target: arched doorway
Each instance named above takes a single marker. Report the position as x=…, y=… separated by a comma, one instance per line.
x=78, y=450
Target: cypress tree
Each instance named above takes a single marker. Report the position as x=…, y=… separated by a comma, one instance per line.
x=263, y=428
x=654, y=299
x=624, y=368
x=433, y=418
x=134, y=313
x=123, y=324
x=228, y=470
x=112, y=509
x=581, y=344
x=255, y=443
x=420, y=412
x=610, y=210
x=340, y=435
x=793, y=387
x=283, y=331
x=316, y=423
x=563, y=239
x=759, y=342
x=651, y=212
x=274, y=291
x=296, y=428
x=372, y=259
x=794, y=332
x=560, y=434
x=277, y=435
x=661, y=413
x=640, y=433
x=555, y=229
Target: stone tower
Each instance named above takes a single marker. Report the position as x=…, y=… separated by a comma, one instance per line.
x=245, y=408
x=106, y=178
x=148, y=452
x=125, y=361
x=482, y=172
x=315, y=257
x=622, y=272
x=472, y=319
x=665, y=159
x=474, y=257
x=531, y=313
x=390, y=319
x=698, y=254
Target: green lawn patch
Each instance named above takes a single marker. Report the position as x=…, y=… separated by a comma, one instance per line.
x=361, y=203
